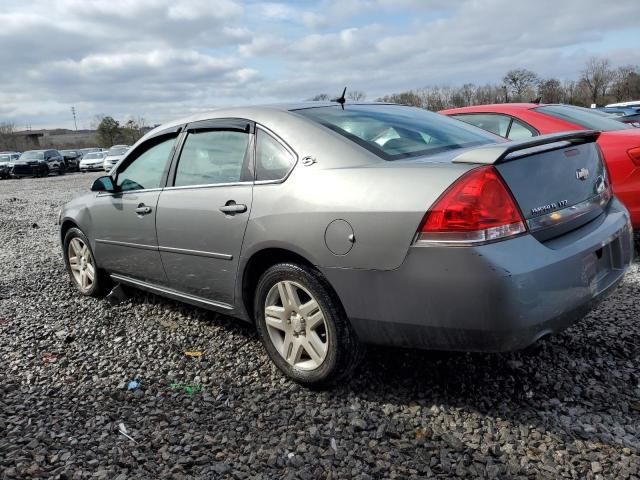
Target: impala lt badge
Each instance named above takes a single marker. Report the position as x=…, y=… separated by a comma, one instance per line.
x=549, y=207
x=582, y=174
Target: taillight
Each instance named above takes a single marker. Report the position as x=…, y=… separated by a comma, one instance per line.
x=477, y=208
x=634, y=153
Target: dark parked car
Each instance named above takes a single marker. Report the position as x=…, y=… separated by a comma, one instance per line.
x=72, y=159
x=39, y=163
x=333, y=225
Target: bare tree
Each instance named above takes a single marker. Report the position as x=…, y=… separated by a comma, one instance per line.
x=550, y=90
x=320, y=97
x=7, y=137
x=597, y=75
x=410, y=98
x=356, y=95
x=626, y=83
x=519, y=81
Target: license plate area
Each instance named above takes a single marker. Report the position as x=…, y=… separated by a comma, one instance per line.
x=600, y=263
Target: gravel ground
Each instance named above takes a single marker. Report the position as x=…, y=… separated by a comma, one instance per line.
x=568, y=408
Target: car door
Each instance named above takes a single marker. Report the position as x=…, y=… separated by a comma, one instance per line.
x=203, y=213
x=125, y=221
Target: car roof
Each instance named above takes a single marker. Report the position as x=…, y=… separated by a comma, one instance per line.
x=251, y=111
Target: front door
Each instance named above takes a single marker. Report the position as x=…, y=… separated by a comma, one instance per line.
x=202, y=217
x=125, y=221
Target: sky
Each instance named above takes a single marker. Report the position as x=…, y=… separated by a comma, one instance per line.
x=164, y=59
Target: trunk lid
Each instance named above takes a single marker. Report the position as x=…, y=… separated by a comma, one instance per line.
x=558, y=181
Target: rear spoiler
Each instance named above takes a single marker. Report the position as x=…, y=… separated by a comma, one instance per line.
x=503, y=152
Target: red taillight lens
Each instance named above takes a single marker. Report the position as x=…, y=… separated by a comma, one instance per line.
x=634, y=153
x=478, y=208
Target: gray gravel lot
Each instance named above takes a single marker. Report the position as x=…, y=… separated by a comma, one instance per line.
x=568, y=408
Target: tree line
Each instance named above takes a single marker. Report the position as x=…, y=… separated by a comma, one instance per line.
x=110, y=132
x=598, y=83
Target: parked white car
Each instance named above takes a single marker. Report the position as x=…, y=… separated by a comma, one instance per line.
x=114, y=154
x=93, y=161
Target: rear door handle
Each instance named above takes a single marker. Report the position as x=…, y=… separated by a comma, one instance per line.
x=143, y=209
x=231, y=208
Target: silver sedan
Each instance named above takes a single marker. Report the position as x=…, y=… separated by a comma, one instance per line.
x=332, y=226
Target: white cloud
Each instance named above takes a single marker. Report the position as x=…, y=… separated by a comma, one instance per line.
x=164, y=58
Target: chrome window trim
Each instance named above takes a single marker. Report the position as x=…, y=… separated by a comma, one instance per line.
x=128, y=192
x=169, y=291
x=284, y=144
x=210, y=185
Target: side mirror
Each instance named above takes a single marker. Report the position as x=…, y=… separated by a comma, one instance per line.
x=103, y=184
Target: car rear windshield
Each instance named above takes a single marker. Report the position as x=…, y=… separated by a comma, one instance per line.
x=32, y=155
x=117, y=151
x=583, y=117
x=395, y=132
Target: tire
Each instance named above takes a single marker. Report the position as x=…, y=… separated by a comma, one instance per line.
x=101, y=282
x=62, y=169
x=322, y=329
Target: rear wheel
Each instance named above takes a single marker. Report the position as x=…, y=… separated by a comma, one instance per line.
x=81, y=265
x=304, y=327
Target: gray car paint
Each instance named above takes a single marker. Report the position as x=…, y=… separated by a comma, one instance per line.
x=383, y=202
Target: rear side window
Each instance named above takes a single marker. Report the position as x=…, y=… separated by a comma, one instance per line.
x=147, y=169
x=395, y=132
x=582, y=117
x=520, y=131
x=273, y=160
x=498, y=124
x=213, y=157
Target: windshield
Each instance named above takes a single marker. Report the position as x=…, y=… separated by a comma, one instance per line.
x=583, y=117
x=68, y=152
x=5, y=158
x=92, y=155
x=395, y=132
x=32, y=155
x=117, y=151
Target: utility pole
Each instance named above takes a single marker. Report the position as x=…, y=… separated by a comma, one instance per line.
x=73, y=112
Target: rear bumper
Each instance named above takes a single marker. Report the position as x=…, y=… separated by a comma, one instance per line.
x=496, y=297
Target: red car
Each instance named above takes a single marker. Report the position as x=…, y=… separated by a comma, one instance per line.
x=619, y=142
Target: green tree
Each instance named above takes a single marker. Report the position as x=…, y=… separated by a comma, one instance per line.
x=133, y=130
x=108, y=131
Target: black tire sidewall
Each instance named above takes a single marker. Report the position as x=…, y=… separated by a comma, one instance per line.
x=333, y=313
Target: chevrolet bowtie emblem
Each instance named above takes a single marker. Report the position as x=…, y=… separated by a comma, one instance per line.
x=582, y=174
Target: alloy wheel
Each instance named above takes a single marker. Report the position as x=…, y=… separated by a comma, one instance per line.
x=296, y=325
x=81, y=263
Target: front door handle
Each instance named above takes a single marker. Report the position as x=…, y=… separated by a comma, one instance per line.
x=231, y=208
x=143, y=209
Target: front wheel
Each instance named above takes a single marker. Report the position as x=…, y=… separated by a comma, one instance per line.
x=81, y=265
x=303, y=326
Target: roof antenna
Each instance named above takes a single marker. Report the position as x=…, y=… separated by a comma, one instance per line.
x=341, y=100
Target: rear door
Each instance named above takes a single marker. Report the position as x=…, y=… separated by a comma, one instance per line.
x=203, y=213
